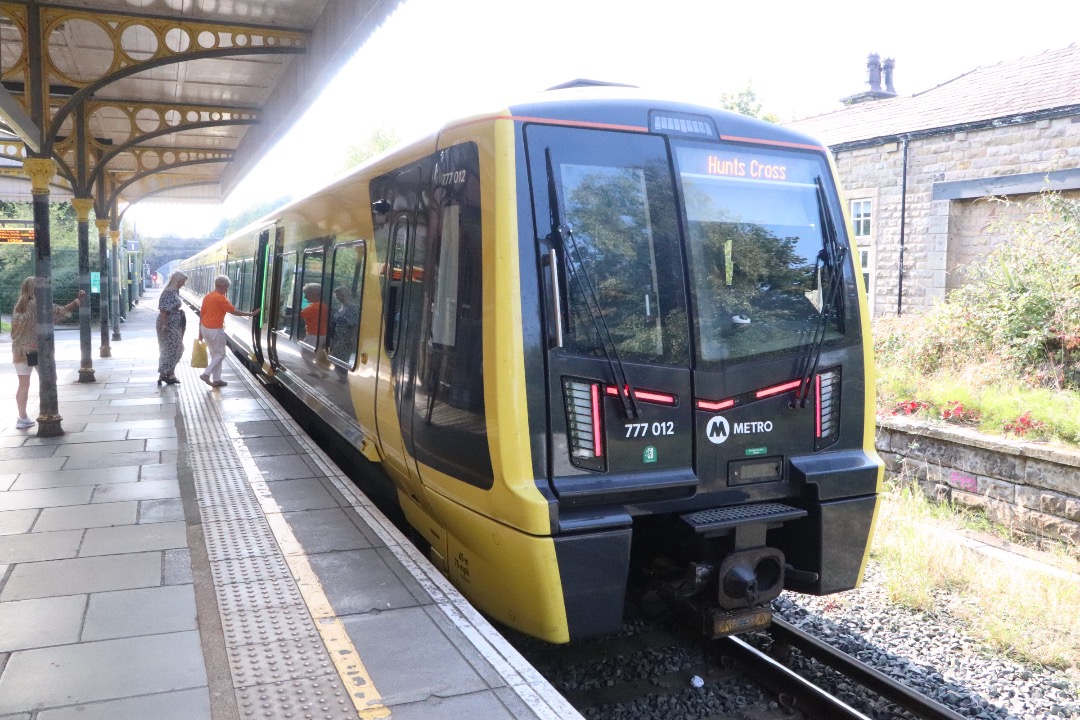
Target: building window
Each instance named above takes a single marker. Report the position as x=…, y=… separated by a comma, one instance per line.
x=862, y=226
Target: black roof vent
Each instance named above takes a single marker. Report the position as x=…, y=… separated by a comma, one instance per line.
x=583, y=82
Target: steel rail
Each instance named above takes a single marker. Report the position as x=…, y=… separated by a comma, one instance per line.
x=862, y=673
x=795, y=691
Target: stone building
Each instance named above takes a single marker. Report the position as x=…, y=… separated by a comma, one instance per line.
x=919, y=170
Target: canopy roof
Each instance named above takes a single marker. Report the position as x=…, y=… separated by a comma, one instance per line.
x=170, y=99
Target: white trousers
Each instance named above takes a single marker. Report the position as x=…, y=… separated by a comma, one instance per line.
x=215, y=346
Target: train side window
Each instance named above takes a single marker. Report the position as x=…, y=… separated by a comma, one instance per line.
x=284, y=318
x=313, y=310
x=346, y=281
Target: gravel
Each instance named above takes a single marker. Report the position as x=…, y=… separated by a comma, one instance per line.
x=927, y=652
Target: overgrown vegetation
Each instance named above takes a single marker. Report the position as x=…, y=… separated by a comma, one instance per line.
x=1029, y=615
x=1003, y=351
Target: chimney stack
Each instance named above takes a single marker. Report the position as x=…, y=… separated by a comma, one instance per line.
x=888, y=66
x=875, y=67
x=873, y=64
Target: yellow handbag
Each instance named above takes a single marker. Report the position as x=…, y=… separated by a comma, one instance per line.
x=199, y=358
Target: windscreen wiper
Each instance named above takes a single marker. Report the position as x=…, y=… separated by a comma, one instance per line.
x=563, y=237
x=831, y=258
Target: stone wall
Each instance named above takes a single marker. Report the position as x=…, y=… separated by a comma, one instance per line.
x=930, y=254
x=1032, y=487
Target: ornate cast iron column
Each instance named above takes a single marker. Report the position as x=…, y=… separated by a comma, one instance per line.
x=114, y=284
x=83, y=206
x=41, y=171
x=104, y=294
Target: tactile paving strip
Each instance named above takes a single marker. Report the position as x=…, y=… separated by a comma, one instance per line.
x=280, y=665
x=314, y=697
x=275, y=662
x=239, y=538
x=241, y=597
x=249, y=569
x=267, y=625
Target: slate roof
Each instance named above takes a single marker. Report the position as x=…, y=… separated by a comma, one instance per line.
x=1031, y=85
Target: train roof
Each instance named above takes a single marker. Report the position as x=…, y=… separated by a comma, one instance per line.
x=611, y=104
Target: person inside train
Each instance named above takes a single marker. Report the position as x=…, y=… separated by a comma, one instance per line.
x=215, y=305
x=316, y=317
x=344, y=323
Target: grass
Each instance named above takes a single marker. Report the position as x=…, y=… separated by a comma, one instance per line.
x=1026, y=614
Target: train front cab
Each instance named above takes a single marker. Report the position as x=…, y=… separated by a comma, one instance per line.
x=707, y=368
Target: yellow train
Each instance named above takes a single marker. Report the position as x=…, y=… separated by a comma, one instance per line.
x=598, y=342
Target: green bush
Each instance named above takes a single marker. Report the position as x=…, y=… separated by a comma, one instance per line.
x=1005, y=347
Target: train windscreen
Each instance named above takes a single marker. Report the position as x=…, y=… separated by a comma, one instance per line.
x=759, y=270
x=619, y=250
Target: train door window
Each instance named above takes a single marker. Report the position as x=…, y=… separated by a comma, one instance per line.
x=346, y=281
x=314, y=313
x=247, y=277
x=395, y=282
x=235, y=281
x=285, y=310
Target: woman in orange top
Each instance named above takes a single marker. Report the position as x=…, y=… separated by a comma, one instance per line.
x=212, y=328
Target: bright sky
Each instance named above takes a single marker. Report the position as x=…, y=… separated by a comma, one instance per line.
x=435, y=60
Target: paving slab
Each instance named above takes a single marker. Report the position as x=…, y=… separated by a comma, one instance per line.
x=134, y=538
x=182, y=705
x=35, y=547
x=105, y=670
x=82, y=575
x=17, y=521
x=87, y=516
x=146, y=611
x=96, y=472
x=41, y=622
x=142, y=490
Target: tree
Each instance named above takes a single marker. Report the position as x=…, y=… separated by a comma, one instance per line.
x=379, y=141
x=251, y=214
x=745, y=102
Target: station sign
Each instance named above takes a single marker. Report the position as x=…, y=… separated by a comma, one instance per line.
x=17, y=231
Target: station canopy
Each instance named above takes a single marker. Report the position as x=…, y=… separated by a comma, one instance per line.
x=169, y=99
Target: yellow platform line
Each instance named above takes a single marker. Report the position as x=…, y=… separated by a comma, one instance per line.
x=347, y=661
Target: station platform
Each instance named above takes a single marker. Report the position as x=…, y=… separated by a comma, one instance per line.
x=183, y=552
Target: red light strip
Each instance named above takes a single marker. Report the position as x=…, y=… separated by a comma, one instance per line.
x=597, y=436
x=817, y=392
x=777, y=389
x=714, y=406
x=645, y=395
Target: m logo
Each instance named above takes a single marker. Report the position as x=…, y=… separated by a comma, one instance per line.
x=717, y=430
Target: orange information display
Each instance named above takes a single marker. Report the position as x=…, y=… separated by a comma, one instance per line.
x=17, y=235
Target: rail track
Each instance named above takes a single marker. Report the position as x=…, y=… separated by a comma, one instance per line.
x=661, y=670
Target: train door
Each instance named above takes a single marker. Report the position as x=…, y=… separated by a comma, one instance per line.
x=394, y=220
x=276, y=301
x=619, y=384
x=441, y=376
x=258, y=294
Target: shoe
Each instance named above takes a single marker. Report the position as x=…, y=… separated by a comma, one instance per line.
x=218, y=383
x=172, y=381
x=161, y=379
x=205, y=378
x=23, y=423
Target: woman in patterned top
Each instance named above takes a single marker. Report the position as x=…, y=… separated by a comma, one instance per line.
x=24, y=341
x=171, y=324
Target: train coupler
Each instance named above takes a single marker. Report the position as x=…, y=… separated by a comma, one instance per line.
x=718, y=623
